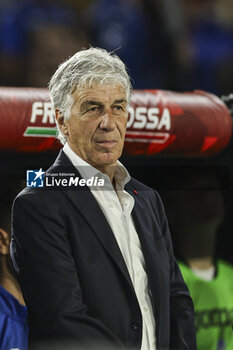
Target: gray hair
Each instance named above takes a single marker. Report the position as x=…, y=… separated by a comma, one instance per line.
x=81, y=70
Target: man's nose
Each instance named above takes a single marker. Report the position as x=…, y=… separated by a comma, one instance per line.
x=107, y=121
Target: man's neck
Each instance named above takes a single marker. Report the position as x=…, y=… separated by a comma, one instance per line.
x=109, y=170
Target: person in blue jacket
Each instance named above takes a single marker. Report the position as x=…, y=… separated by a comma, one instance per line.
x=13, y=312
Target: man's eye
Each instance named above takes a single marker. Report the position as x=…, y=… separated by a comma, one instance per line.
x=93, y=109
x=118, y=108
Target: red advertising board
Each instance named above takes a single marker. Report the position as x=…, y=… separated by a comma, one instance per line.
x=170, y=123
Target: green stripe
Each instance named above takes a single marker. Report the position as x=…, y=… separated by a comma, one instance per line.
x=42, y=131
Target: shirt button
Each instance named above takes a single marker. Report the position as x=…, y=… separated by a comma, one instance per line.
x=136, y=326
x=138, y=273
x=145, y=309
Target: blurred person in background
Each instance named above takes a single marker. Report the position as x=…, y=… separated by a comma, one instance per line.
x=195, y=210
x=209, y=27
x=13, y=312
x=126, y=28
x=32, y=32
x=167, y=44
x=50, y=44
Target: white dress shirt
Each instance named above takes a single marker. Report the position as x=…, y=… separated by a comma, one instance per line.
x=117, y=207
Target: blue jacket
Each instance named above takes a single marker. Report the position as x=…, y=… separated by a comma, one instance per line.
x=13, y=322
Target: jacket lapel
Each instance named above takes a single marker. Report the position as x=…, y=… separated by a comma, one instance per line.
x=148, y=244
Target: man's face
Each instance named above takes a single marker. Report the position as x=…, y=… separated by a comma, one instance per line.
x=96, y=128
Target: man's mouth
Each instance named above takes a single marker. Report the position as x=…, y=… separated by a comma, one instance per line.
x=106, y=143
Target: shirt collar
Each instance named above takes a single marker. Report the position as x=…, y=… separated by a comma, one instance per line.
x=87, y=171
x=121, y=176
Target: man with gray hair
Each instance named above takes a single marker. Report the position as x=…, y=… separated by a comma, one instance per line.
x=97, y=266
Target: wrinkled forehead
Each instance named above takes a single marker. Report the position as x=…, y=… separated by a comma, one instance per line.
x=95, y=85
x=106, y=93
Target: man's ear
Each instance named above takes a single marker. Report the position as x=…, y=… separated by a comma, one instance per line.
x=61, y=122
x=4, y=242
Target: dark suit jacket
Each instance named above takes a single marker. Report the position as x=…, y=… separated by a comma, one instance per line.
x=74, y=279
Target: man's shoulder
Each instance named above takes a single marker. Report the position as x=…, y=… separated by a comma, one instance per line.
x=147, y=198
x=60, y=165
x=34, y=193
x=146, y=193
x=30, y=196
x=137, y=186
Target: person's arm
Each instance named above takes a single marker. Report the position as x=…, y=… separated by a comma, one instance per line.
x=42, y=257
x=183, y=334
